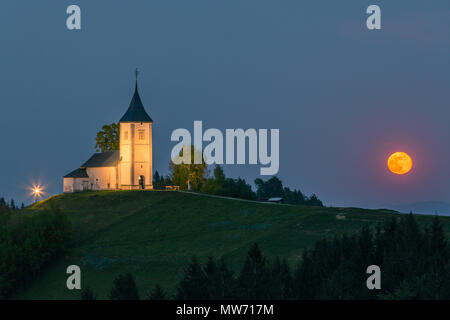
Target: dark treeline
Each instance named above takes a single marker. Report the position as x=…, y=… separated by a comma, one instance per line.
x=159, y=182
x=219, y=184
x=28, y=242
x=414, y=264
x=5, y=206
x=274, y=188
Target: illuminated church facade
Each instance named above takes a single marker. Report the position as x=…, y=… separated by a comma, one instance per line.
x=128, y=168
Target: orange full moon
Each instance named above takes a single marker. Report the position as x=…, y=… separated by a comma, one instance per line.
x=399, y=163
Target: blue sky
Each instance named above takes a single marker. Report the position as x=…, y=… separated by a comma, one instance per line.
x=342, y=96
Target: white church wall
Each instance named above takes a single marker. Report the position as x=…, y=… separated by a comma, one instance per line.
x=102, y=178
x=75, y=184
x=80, y=184
x=68, y=185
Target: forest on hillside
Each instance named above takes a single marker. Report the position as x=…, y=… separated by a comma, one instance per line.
x=29, y=243
x=414, y=263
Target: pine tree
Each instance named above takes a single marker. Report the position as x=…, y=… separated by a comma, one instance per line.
x=193, y=285
x=286, y=280
x=213, y=279
x=3, y=205
x=156, y=180
x=364, y=256
x=303, y=279
x=280, y=284
x=87, y=294
x=438, y=242
x=436, y=281
x=157, y=294
x=254, y=275
x=124, y=288
x=275, y=286
x=228, y=282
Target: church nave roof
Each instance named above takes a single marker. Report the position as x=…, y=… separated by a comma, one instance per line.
x=77, y=173
x=104, y=159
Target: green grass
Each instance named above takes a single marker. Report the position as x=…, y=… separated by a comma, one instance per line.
x=154, y=234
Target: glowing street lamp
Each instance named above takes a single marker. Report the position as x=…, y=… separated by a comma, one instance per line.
x=37, y=192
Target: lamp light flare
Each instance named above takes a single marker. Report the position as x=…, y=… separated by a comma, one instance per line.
x=37, y=191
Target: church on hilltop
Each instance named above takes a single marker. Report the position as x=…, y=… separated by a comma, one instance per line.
x=128, y=168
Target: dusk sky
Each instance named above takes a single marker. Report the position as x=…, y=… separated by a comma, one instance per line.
x=343, y=97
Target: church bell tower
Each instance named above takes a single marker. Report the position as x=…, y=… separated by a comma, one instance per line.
x=135, y=166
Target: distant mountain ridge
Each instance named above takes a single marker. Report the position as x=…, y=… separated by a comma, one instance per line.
x=424, y=207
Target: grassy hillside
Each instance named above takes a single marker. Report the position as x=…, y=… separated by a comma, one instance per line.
x=154, y=234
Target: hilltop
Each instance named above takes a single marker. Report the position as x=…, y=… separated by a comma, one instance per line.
x=154, y=234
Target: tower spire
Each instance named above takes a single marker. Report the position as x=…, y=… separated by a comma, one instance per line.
x=136, y=111
x=136, y=74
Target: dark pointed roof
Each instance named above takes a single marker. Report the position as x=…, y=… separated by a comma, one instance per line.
x=136, y=111
x=104, y=159
x=77, y=173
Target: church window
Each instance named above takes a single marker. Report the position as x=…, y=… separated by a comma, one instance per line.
x=125, y=135
x=141, y=134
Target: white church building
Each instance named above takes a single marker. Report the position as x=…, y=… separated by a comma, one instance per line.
x=128, y=168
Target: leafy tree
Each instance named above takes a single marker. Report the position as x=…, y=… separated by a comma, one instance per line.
x=274, y=188
x=108, y=139
x=220, y=185
x=124, y=288
x=314, y=201
x=219, y=175
x=294, y=197
x=270, y=188
x=157, y=294
x=184, y=172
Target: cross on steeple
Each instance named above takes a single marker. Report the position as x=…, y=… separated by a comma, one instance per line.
x=136, y=74
x=136, y=111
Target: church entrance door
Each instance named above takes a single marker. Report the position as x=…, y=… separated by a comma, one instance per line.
x=142, y=182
